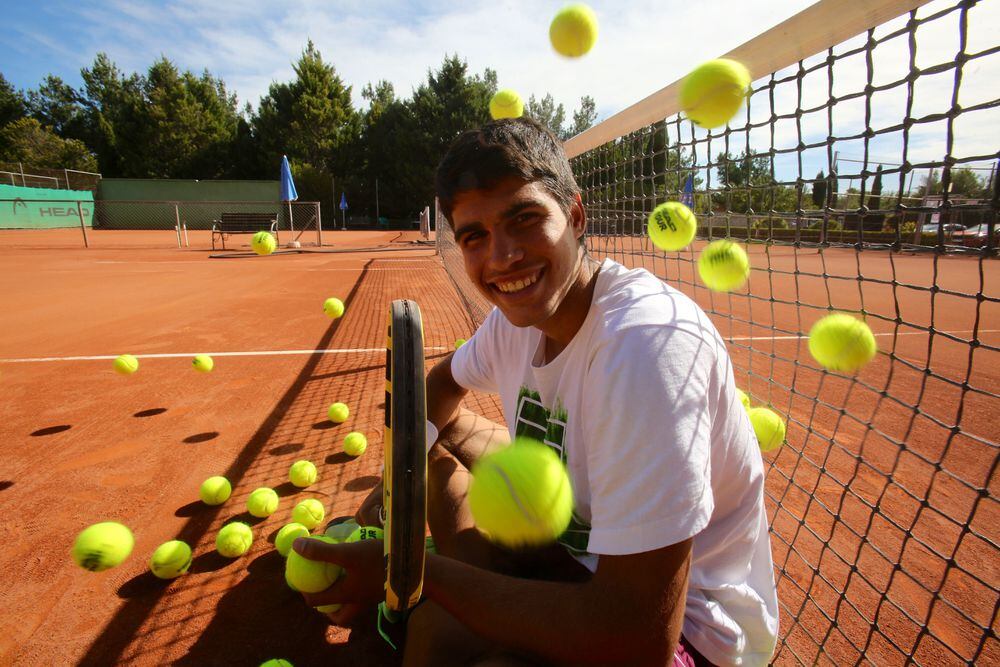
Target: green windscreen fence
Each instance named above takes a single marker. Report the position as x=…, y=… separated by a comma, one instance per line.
x=44, y=208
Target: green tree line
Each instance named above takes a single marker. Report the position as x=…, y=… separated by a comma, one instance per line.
x=168, y=123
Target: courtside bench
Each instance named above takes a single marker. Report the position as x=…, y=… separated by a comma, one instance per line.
x=243, y=223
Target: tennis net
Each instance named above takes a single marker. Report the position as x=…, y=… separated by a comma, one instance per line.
x=860, y=177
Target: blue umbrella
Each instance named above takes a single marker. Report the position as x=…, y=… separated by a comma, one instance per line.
x=288, y=192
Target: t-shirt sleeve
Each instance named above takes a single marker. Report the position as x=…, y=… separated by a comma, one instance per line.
x=473, y=364
x=647, y=432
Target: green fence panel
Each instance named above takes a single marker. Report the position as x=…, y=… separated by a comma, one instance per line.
x=43, y=208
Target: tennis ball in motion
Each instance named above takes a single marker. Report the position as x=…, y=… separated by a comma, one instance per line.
x=521, y=495
x=309, y=513
x=215, y=490
x=460, y=342
x=234, y=539
x=723, y=265
x=310, y=576
x=366, y=533
x=126, y=364
x=263, y=243
x=712, y=94
x=333, y=307
x=355, y=443
x=283, y=540
x=203, y=363
x=302, y=473
x=170, y=560
x=841, y=342
x=573, y=31
x=506, y=104
x=102, y=546
x=338, y=413
x=671, y=226
x=744, y=399
x=276, y=662
x=769, y=428
x=262, y=502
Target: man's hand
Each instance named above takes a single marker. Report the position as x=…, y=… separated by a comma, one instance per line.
x=369, y=514
x=362, y=584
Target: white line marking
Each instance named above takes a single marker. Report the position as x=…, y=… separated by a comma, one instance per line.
x=901, y=333
x=175, y=355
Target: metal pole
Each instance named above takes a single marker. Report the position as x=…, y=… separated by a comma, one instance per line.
x=376, y=202
x=333, y=196
x=177, y=227
x=187, y=241
x=66, y=174
x=21, y=167
x=83, y=225
x=319, y=225
x=291, y=225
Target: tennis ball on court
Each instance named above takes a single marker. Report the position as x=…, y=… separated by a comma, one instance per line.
x=283, y=540
x=309, y=513
x=460, y=342
x=102, y=546
x=234, y=539
x=355, y=443
x=341, y=529
x=521, y=495
x=671, y=226
x=126, y=364
x=333, y=307
x=744, y=399
x=723, y=265
x=215, y=490
x=276, y=662
x=328, y=608
x=302, y=473
x=714, y=91
x=262, y=502
x=338, y=413
x=573, y=31
x=366, y=533
x=841, y=342
x=310, y=576
x=203, y=363
x=769, y=428
x=263, y=243
x=506, y=104
x=170, y=560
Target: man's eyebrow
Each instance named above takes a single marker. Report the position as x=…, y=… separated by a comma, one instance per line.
x=519, y=206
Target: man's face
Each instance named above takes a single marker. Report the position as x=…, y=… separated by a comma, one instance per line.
x=520, y=248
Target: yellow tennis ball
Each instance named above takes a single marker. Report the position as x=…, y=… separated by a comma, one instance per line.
x=310, y=576
x=506, y=104
x=102, y=546
x=276, y=662
x=366, y=533
x=234, y=539
x=309, y=513
x=328, y=608
x=263, y=243
x=460, y=342
x=262, y=502
x=126, y=364
x=283, y=540
x=355, y=443
x=333, y=307
x=723, y=265
x=671, y=226
x=302, y=473
x=714, y=91
x=341, y=530
x=744, y=399
x=841, y=342
x=170, y=560
x=203, y=363
x=573, y=31
x=521, y=495
x=215, y=490
x=338, y=413
x=769, y=428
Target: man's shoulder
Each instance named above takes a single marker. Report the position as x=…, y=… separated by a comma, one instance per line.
x=637, y=298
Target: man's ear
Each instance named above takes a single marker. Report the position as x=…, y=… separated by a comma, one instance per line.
x=578, y=216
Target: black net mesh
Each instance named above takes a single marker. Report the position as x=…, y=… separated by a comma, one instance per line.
x=863, y=180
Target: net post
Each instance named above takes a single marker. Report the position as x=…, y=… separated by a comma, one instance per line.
x=319, y=226
x=177, y=226
x=187, y=241
x=83, y=225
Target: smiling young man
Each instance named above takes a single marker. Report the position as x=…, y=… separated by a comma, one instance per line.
x=667, y=559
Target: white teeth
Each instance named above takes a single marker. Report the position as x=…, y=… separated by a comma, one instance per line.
x=518, y=285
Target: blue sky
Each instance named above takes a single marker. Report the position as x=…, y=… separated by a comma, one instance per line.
x=643, y=46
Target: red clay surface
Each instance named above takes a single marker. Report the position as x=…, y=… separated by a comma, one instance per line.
x=883, y=503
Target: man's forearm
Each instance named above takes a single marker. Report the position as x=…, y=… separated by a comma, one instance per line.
x=566, y=623
x=444, y=395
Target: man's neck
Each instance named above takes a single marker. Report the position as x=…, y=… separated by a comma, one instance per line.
x=560, y=329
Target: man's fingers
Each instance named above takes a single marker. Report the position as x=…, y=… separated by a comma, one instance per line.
x=345, y=615
x=334, y=594
x=320, y=550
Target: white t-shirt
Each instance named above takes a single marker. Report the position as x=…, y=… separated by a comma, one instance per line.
x=642, y=407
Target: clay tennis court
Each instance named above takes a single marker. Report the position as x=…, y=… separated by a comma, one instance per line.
x=882, y=502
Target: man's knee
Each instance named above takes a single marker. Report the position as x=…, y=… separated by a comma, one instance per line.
x=435, y=637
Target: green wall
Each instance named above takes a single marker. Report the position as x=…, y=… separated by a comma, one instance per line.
x=156, y=189
x=43, y=208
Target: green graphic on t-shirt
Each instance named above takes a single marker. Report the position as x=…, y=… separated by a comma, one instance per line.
x=535, y=421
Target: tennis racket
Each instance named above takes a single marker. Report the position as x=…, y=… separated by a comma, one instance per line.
x=405, y=478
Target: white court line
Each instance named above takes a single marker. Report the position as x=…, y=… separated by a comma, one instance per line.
x=901, y=333
x=175, y=355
